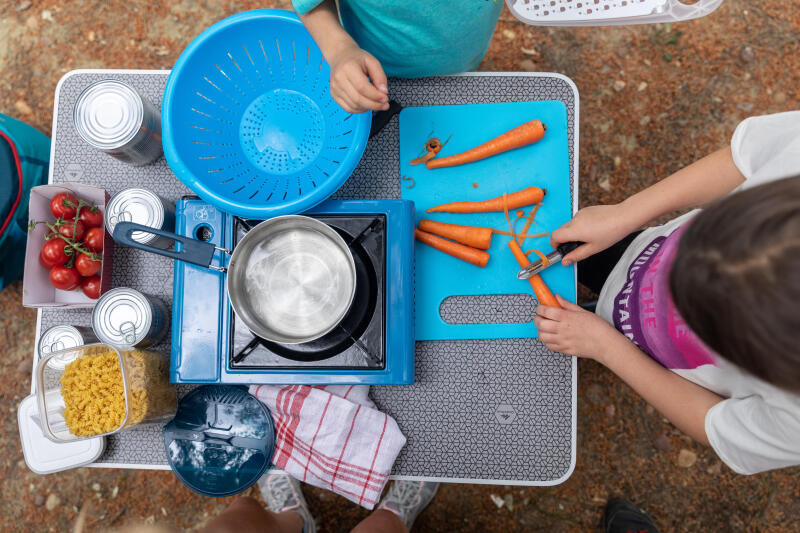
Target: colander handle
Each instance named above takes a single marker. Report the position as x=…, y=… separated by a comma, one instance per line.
x=193, y=251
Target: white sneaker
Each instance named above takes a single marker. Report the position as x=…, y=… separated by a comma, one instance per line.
x=407, y=499
x=282, y=493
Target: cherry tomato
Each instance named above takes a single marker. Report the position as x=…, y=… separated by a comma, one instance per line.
x=91, y=287
x=94, y=239
x=91, y=219
x=60, y=210
x=66, y=228
x=64, y=278
x=54, y=252
x=86, y=266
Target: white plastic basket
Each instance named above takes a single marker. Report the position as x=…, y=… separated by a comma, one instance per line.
x=607, y=12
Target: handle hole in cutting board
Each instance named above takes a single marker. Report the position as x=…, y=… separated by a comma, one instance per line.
x=488, y=309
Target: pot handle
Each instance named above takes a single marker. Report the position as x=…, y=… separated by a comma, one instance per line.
x=196, y=252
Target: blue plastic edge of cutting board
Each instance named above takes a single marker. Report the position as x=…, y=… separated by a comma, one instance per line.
x=544, y=164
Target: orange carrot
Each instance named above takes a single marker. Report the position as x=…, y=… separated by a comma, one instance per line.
x=531, y=195
x=474, y=236
x=527, y=133
x=541, y=290
x=459, y=251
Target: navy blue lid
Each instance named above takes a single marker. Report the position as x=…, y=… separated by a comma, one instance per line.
x=220, y=441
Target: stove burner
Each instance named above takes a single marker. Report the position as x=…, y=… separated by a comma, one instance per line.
x=350, y=333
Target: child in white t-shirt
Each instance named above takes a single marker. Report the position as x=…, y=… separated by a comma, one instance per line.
x=711, y=300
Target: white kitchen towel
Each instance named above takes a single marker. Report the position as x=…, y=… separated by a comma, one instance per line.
x=333, y=437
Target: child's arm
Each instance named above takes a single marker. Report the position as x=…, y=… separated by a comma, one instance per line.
x=601, y=226
x=351, y=67
x=578, y=332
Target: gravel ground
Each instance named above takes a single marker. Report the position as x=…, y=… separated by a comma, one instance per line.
x=656, y=97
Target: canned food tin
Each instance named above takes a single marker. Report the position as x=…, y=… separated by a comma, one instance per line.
x=142, y=207
x=111, y=116
x=59, y=338
x=126, y=317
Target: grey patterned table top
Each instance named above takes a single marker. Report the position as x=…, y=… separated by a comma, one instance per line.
x=491, y=411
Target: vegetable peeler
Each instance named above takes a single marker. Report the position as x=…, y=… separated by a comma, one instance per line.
x=553, y=257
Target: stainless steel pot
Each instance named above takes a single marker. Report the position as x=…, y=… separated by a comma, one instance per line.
x=291, y=279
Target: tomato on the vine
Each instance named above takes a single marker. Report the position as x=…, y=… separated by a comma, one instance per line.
x=86, y=266
x=91, y=219
x=70, y=226
x=58, y=207
x=64, y=278
x=94, y=239
x=91, y=287
x=54, y=252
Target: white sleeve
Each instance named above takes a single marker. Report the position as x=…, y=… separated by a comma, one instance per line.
x=767, y=148
x=751, y=436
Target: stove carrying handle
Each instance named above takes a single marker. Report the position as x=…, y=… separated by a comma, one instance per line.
x=192, y=251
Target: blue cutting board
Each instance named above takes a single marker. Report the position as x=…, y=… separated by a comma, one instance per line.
x=544, y=164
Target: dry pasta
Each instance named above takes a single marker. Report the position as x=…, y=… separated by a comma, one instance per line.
x=94, y=396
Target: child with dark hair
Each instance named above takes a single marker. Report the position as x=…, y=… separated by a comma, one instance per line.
x=710, y=300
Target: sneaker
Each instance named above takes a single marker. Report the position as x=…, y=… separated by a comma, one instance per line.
x=282, y=493
x=407, y=499
x=622, y=516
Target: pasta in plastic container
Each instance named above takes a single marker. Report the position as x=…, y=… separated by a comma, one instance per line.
x=97, y=389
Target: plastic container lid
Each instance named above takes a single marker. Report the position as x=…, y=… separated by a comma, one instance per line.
x=44, y=456
x=220, y=441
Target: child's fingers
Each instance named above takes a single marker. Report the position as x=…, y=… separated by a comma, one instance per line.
x=376, y=90
x=342, y=99
x=360, y=102
x=550, y=312
x=376, y=74
x=569, y=306
x=545, y=325
x=578, y=254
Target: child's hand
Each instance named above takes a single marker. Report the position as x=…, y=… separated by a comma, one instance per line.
x=351, y=71
x=598, y=226
x=573, y=330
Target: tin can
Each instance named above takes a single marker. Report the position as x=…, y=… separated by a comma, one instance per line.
x=126, y=317
x=111, y=116
x=142, y=207
x=59, y=338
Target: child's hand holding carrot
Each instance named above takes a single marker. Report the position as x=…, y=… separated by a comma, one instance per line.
x=574, y=331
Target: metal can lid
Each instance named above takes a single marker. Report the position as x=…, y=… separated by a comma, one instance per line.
x=135, y=205
x=108, y=114
x=122, y=317
x=60, y=338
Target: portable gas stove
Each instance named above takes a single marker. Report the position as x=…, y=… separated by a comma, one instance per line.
x=374, y=343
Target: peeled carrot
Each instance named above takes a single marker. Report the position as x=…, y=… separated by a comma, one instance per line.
x=527, y=133
x=474, y=236
x=531, y=195
x=459, y=251
x=541, y=290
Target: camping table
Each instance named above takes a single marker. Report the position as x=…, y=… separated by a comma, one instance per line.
x=481, y=411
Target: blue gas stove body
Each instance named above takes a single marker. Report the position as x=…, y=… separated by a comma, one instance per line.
x=203, y=324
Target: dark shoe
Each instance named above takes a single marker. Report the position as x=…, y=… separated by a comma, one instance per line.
x=622, y=516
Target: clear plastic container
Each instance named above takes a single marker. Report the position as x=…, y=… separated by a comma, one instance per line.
x=97, y=389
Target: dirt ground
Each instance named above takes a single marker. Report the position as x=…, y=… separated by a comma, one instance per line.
x=653, y=98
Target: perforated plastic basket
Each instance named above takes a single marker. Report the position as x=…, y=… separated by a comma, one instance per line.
x=248, y=120
x=608, y=12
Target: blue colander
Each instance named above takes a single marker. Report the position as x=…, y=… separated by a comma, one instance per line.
x=248, y=120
